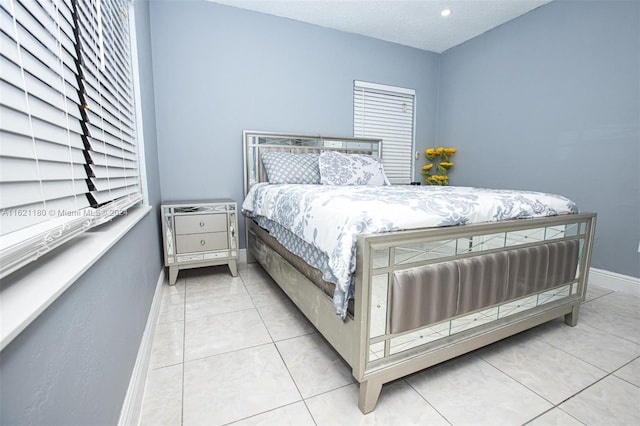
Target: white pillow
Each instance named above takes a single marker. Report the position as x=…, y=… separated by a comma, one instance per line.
x=287, y=167
x=337, y=168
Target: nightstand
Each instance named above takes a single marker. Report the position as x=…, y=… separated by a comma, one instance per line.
x=199, y=233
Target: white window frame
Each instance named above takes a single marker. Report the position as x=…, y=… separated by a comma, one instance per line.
x=382, y=127
x=28, y=292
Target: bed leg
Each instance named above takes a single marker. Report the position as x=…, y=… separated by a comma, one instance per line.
x=368, y=397
x=571, y=318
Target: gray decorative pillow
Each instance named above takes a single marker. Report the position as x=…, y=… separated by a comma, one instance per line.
x=286, y=167
x=337, y=168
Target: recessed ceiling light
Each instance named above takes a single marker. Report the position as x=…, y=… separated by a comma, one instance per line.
x=445, y=12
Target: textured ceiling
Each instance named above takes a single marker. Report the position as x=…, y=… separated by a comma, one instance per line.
x=415, y=23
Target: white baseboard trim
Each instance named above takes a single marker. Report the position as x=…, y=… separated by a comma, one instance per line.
x=614, y=281
x=242, y=256
x=132, y=405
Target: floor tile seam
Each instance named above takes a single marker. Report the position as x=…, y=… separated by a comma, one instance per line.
x=424, y=398
x=627, y=298
x=519, y=382
x=628, y=313
x=214, y=294
x=354, y=382
x=597, y=297
x=267, y=305
x=258, y=308
x=628, y=340
x=218, y=314
x=288, y=371
x=306, y=406
x=254, y=345
x=478, y=356
x=582, y=324
x=191, y=361
x=594, y=326
x=548, y=411
x=264, y=412
x=557, y=405
x=550, y=343
x=256, y=281
x=262, y=305
x=304, y=334
x=264, y=323
x=623, y=366
x=197, y=317
x=625, y=380
x=159, y=367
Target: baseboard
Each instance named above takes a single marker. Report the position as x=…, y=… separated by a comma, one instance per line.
x=614, y=281
x=242, y=256
x=132, y=405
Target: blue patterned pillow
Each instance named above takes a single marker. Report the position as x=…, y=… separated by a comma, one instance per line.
x=337, y=168
x=286, y=167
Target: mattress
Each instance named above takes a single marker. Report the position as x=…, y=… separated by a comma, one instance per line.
x=330, y=218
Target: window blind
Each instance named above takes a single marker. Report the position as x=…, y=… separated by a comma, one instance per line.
x=387, y=113
x=68, y=157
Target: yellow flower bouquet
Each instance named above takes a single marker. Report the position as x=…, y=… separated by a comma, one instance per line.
x=435, y=172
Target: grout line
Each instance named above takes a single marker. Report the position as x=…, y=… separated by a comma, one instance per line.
x=185, y=281
x=404, y=379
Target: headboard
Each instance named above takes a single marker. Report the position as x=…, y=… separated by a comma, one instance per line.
x=256, y=143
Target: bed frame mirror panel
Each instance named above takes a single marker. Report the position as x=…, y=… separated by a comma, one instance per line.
x=371, y=340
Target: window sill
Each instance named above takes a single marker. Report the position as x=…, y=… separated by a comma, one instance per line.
x=26, y=293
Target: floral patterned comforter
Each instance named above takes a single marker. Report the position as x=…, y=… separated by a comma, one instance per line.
x=331, y=217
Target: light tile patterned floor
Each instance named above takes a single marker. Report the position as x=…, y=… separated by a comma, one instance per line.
x=236, y=351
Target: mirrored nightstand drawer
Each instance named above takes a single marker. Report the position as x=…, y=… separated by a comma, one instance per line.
x=201, y=242
x=198, y=223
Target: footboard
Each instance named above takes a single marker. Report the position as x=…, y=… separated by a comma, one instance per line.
x=428, y=295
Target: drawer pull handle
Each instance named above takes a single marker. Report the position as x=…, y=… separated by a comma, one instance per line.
x=202, y=242
x=202, y=224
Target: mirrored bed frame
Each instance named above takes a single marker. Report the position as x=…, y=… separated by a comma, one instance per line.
x=545, y=287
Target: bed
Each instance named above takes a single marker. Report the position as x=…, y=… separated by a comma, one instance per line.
x=416, y=294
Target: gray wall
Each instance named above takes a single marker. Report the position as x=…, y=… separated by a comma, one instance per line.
x=546, y=102
x=551, y=102
x=220, y=70
x=72, y=365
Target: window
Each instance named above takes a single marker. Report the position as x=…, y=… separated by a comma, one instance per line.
x=69, y=157
x=386, y=112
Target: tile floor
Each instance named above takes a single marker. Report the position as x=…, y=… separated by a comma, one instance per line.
x=236, y=351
